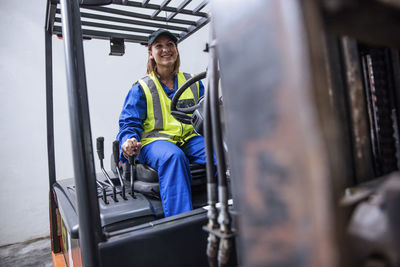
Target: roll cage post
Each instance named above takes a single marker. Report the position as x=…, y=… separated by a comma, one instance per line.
x=90, y=232
x=55, y=241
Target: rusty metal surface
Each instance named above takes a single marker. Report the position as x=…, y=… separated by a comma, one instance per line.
x=278, y=160
x=330, y=93
x=363, y=164
x=337, y=129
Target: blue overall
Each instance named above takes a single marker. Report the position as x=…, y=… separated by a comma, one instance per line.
x=170, y=160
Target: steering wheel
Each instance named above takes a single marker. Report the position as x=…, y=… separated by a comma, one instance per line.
x=179, y=113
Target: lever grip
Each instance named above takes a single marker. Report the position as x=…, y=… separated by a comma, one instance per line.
x=115, y=149
x=100, y=147
x=131, y=160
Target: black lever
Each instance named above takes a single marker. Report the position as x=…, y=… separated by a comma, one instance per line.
x=131, y=160
x=103, y=190
x=100, y=147
x=115, y=149
x=100, y=153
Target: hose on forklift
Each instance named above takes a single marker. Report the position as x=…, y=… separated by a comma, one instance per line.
x=212, y=109
x=212, y=214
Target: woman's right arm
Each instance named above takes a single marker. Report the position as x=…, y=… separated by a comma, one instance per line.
x=133, y=114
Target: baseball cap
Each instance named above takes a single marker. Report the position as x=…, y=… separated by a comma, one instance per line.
x=159, y=32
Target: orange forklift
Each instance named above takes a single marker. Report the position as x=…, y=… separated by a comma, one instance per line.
x=116, y=218
x=307, y=139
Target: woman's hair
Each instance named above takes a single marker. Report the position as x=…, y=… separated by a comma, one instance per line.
x=152, y=66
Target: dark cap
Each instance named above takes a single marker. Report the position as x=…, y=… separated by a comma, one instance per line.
x=159, y=32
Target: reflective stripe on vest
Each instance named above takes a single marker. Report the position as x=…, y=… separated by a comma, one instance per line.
x=158, y=117
x=193, y=87
x=156, y=125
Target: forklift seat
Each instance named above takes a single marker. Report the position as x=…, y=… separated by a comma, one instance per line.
x=147, y=178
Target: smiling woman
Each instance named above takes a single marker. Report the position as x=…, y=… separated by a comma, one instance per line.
x=168, y=145
x=163, y=52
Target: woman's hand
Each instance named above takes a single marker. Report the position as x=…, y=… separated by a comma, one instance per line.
x=131, y=147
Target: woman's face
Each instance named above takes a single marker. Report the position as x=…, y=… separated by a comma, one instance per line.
x=164, y=51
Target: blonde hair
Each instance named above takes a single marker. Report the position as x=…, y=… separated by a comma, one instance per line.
x=152, y=65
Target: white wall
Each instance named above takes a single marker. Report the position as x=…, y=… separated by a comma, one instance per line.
x=23, y=153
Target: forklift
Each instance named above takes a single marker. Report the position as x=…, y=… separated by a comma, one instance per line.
x=306, y=140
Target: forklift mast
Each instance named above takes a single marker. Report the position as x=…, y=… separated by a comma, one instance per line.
x=311, y=97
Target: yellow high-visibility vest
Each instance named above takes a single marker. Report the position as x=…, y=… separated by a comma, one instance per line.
x=159, y=123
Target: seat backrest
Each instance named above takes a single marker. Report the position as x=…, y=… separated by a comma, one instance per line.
x=147, y=178
x=144, y=173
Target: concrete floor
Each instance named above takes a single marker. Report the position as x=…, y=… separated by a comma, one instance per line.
x=31, y=253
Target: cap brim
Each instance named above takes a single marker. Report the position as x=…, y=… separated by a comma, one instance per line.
x=165, y=32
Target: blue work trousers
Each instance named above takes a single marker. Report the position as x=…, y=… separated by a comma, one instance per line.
x=172, y=164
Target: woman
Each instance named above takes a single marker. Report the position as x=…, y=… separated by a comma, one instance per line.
x=147, y=126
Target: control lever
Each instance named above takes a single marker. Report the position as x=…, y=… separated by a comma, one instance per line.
x=100, y=153
x=103, y=190
x=115, y=149
x=131, y=160
x=101, y=184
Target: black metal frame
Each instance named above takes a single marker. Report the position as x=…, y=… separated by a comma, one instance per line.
x=55, y=242
x=99, y=22
x=73, y=31
x=90, y=232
